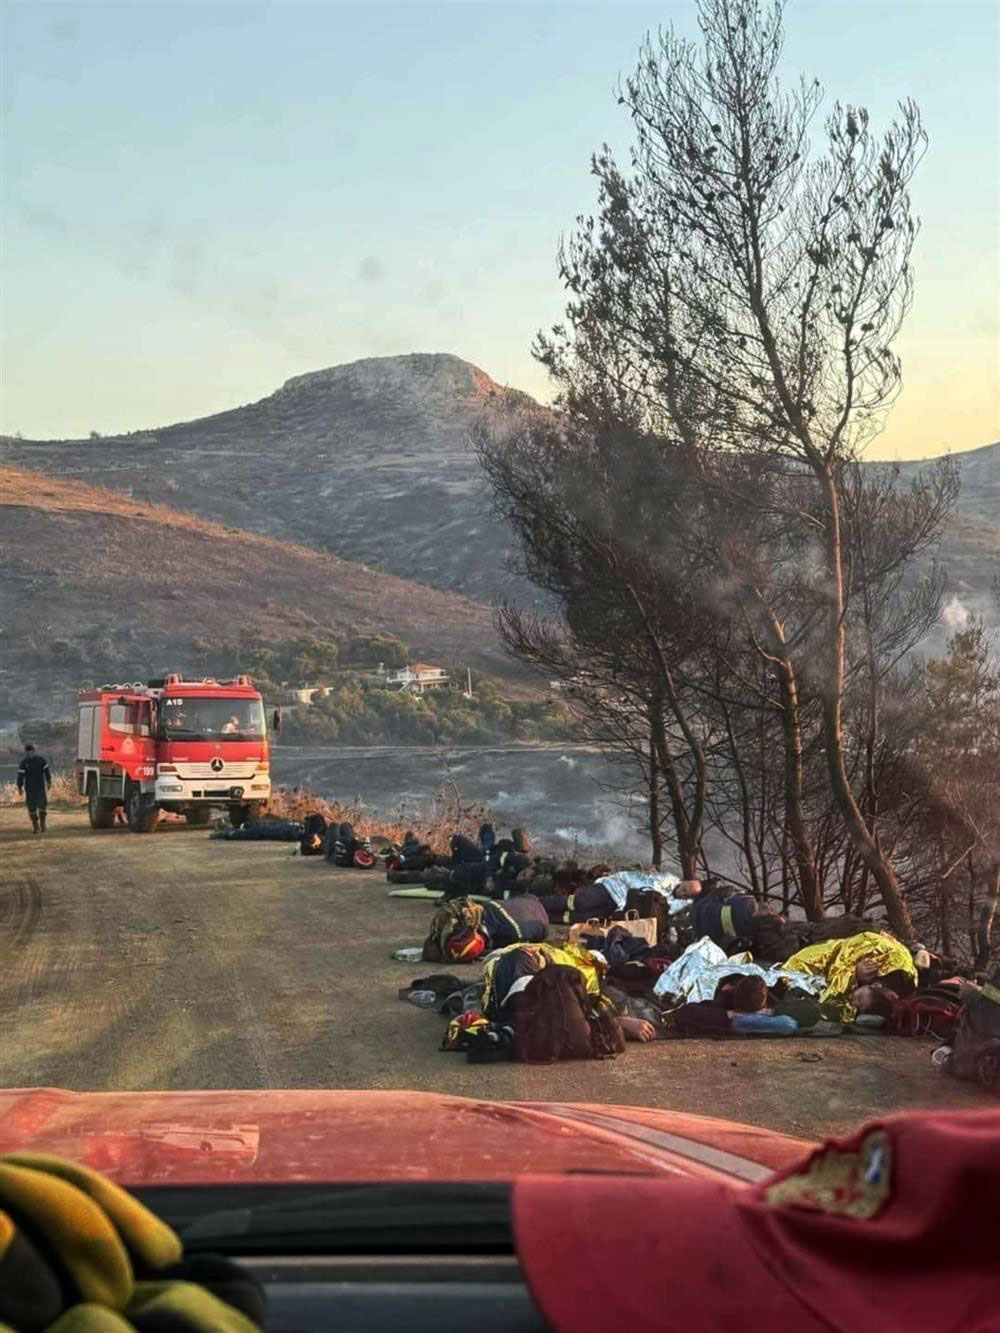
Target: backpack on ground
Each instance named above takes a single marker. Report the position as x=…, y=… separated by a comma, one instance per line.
x=556, y=1019
x=453, y=915
x=924, y=1016
x=342, y=845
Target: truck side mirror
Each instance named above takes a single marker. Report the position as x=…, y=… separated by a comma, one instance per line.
x=276, y=722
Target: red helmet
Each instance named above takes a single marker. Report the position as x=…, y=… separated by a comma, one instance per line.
x=465, y=945
x=363, y=858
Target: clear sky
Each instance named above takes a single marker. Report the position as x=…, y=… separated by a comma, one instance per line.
x=200, y=200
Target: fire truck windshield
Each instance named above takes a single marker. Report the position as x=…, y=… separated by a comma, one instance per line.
x=197, y=719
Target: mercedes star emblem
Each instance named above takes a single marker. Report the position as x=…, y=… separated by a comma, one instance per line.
x=217, y=765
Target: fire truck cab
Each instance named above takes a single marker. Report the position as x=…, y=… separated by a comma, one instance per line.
x=183, y=745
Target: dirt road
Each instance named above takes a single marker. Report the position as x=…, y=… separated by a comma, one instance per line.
x=174, y=961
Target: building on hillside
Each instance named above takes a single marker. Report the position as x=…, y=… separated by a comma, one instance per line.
x=417, y=677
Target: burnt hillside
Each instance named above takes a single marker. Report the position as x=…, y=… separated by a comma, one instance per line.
x=96, y=583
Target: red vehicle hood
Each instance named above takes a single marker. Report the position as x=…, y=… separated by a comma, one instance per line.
x=188, y=1138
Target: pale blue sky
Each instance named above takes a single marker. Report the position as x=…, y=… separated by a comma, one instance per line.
x=200, y=200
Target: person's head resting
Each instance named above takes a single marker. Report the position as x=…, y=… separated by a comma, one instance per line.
x=29, y=748
x=899, y=982
x=874, y=999
x=749, y=995
x=465, y=945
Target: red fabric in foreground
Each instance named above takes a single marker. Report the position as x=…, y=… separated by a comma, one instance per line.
x=893, y=1229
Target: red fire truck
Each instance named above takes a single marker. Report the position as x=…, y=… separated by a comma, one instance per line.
x=173, y=744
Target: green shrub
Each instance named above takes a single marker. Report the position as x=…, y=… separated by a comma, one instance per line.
x=356, y=711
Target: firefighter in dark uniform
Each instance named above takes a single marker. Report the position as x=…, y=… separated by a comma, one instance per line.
x=34, y=778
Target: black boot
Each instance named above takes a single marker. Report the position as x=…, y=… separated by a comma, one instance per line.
x=34, y=821
x=41, y=819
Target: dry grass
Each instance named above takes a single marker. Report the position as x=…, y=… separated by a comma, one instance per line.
x=62, y=792
x=448, y=814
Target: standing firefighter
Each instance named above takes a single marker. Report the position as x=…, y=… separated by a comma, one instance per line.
x=34, y=778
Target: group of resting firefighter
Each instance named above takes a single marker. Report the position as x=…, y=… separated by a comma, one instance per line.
x=501, y=901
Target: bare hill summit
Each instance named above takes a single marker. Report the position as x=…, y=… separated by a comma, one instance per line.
x=370, y=461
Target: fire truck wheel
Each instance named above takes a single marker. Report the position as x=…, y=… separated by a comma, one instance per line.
x=142, y=818
x=199, y=815
x=100, y=811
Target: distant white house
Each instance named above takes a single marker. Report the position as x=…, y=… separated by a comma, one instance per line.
x=417, y=677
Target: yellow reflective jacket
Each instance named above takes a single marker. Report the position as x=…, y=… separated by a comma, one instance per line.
x=573, y=955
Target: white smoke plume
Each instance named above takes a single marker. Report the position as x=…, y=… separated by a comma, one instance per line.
x=955, y=615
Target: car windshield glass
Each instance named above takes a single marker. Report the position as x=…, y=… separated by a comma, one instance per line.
x=211, y=719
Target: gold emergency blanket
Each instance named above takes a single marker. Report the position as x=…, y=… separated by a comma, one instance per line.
x=835, y=960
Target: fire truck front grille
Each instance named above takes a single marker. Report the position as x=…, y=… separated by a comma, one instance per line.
x=205, y=773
